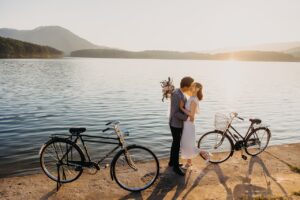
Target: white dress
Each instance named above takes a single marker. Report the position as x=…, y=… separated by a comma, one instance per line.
x=188, y=139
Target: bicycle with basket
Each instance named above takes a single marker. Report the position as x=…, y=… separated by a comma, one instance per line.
x=225, y=139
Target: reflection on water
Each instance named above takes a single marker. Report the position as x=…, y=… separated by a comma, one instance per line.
x=41, y=97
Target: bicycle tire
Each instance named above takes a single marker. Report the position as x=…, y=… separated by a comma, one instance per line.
x=207, y=147
x=66, y=142
x=118, y=157
x=252, y=134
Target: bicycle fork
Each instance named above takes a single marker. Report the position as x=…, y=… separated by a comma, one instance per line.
x=130, y=161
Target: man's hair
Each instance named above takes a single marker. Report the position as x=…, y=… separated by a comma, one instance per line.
x=186, y=81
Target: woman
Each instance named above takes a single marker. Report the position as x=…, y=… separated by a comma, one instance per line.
x=188, y=139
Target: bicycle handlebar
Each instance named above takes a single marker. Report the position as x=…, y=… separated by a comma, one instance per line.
x=240, y=118
x=104, y=130
x=112, y=122
x=235, y=115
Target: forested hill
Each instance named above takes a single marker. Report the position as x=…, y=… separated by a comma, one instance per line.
x=238, y=55
x=155, y=54
x=10, y=48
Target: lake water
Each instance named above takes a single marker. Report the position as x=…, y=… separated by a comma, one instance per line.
x=40, y=97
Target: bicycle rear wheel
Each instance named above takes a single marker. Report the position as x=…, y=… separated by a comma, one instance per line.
x=257, y=141
x=60, y=160
x=135, y=170
x=217, y=144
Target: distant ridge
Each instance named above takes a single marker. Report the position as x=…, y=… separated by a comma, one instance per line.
x=239, y=55
x=11, y=48
x=277, y=47
x=150, y=54
x=54, y=36
x=294, y=51
x=71, y=44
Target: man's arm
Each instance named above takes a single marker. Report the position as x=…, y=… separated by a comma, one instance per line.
x=178, y=113
x=181, y=103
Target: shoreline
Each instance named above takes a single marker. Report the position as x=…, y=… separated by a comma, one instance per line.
x=168, y=59
x=273, y=174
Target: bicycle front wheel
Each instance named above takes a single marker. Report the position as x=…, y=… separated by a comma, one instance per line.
x=217, y=144
x=61, y=160
x=257, y=141
x=135, y=170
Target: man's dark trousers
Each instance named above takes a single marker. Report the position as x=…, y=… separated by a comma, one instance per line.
x=174, y=155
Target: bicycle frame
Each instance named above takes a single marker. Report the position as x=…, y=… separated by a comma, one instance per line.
x=69, y=154
x=92, y=139
x=235, y=137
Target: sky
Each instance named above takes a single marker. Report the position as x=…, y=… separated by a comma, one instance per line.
x=186, y=25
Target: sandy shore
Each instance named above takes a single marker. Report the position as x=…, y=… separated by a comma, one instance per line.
x=272, y=175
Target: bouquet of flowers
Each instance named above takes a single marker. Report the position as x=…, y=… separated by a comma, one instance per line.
x=167, y=88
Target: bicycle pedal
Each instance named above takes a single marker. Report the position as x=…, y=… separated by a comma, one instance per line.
x=244, y=157
x=95, y=165
x=78, y=168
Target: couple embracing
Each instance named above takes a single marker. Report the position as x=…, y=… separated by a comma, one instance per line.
x=182, y=123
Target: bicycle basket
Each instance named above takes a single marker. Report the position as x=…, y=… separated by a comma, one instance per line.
x=221, y=122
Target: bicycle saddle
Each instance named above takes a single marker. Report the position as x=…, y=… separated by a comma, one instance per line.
x=77, y=130
x=255, y=121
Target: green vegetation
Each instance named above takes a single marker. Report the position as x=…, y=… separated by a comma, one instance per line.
x=294, y=168
x=239, y=55
x=294, y=51
x=10, y=48
x=296, y=193
x=269, y=198
x=115, y=53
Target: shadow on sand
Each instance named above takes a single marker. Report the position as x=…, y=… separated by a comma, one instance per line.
x=247, y=190
x=222, y=179
x=168, y=181
x=49, y=194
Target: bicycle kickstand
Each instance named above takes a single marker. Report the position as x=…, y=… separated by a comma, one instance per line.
x=242, y=154
x=58, y=183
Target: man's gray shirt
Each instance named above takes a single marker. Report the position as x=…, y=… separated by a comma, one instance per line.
x=176, y=115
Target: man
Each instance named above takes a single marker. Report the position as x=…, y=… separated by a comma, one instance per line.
x=177, y=117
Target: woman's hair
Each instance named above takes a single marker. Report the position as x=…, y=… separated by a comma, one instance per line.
x=199, y=93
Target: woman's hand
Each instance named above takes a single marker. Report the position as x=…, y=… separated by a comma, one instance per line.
x=192, y=118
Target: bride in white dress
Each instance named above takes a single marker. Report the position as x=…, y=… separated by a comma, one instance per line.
x=188, y=138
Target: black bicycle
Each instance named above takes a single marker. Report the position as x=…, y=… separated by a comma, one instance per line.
x=221, y=143
x=134, y=167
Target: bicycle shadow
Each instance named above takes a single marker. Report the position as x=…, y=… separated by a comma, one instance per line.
x=167, y=181
x=133, y=195
x=222, y=179
x=49, y=194
x=248, y=190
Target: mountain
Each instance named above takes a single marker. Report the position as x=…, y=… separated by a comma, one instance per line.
x=294, y=51
x=278, y=47
x=153, y=54
x=11, y=48
x=54, y=36
x=257, y=56
x=239, y=55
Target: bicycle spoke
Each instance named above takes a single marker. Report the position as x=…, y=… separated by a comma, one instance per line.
x=217, y=145
x=57, y=154
x=136, y=170
x=257, y=141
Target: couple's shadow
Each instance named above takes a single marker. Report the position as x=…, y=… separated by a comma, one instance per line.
x=181, y=186
x=168, y=181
